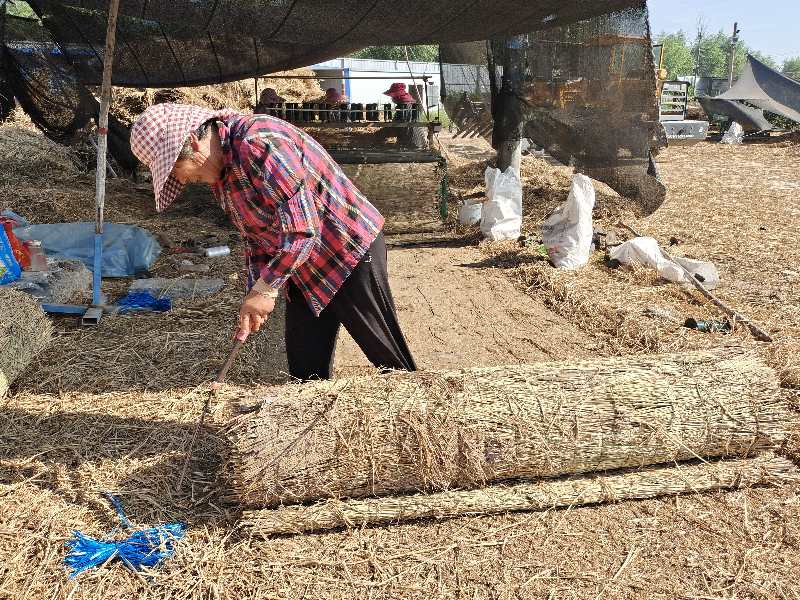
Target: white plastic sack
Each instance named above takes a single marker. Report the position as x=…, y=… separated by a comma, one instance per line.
x=567, y=233
x=705, y=272
x=469, y=213
x=644, y=251
x=501, y=217
x=734, y=135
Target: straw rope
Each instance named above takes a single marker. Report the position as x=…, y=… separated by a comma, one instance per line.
x=438, y=431
x=528, y=496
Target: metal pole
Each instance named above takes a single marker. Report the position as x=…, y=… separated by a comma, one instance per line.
x=734, y=42
x=697, y=60
x=102, y=145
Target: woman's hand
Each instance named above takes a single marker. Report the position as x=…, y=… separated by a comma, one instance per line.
x=254, y=312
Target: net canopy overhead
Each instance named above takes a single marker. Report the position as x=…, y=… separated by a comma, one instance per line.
x=767, y=89
x=585, y=91
x=163, y=43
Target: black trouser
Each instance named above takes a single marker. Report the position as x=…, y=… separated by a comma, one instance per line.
x=364, y=306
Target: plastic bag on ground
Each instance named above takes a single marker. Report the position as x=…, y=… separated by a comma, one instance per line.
x=567, y=232
x=734, y=135
x=127, y=249
x=645, y=251
x=501, y=217
x=705, y=272
x=161, y=287
x=64, y=281
x=469, y=213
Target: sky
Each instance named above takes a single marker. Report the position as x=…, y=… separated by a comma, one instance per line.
x=769, y=26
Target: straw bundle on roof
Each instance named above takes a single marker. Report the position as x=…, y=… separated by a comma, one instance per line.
x=24, y=332
x=437, y=431
x=527, y=496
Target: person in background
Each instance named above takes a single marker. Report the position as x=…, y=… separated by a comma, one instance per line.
x=268, y=96
x=332, y=96
x=399, y=95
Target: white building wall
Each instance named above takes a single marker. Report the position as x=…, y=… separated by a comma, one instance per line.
x=368, y=91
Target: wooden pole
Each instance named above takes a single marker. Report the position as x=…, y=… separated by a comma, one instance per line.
x=102, y=146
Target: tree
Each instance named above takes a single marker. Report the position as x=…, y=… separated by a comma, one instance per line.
x=791, y=67
x=678, y=59
x=18, y=8
x=714, y=51
x=425, y=53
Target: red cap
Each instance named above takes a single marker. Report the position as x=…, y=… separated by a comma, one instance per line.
x=396, y=89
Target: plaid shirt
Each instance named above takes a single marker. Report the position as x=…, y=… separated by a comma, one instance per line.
x=300, y=216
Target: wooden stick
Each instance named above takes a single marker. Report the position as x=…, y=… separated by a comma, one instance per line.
x=755, y=329
x=539, y=495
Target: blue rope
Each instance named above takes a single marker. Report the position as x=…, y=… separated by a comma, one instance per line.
x=143, y=301
x=143, y=548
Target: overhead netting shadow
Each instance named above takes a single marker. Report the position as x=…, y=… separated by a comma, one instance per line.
x=586, y=93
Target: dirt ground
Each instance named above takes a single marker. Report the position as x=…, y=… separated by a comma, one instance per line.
x=114, y=408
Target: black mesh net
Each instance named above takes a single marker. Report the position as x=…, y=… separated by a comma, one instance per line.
x=37, y=73
x=166, y=43
x=585, y=91
x=163, y=43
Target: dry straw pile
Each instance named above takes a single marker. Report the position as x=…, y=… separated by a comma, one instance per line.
x=24, y=332
x=128, y=103
x=439, y=431
x=26, y=155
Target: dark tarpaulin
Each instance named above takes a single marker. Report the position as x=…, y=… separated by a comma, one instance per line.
x=751, y=119
x=588, y=96
x=767, y=89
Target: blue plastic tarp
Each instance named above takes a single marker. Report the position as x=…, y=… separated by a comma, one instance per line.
x=127, y=249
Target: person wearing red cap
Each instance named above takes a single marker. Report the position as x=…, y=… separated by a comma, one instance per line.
x=308, y=231
x=399, y=95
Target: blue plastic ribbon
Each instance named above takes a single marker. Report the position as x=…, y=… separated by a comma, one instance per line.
x=143, y=548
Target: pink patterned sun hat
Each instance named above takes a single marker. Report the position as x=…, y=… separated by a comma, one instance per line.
x=157, y=137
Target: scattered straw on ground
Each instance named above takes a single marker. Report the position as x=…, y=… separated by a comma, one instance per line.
x=733, y=205
x=119, y=413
